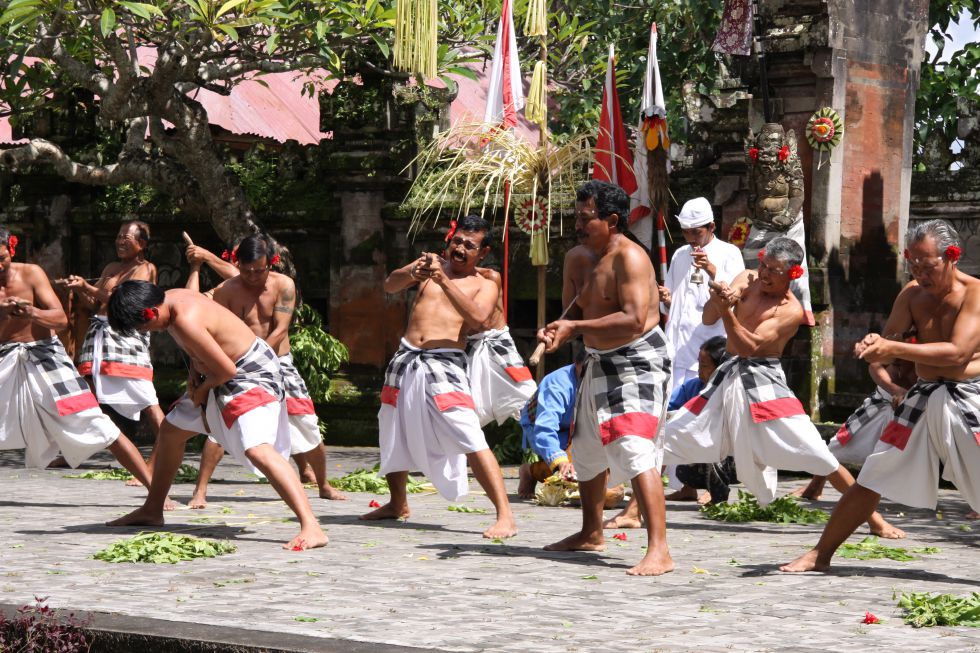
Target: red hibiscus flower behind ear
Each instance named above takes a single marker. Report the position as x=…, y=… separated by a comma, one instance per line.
x=225, y=256
x=452, y=231
x=906, y=255
x=12, y=245
x=150, y=314
x=784, y=152
x=762, y=254
x=795, y=272
x=953, y=253
x=754, y=153
x=275, y=260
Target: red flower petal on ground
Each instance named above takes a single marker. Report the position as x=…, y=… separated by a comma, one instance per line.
x=784, y=152
x=795, y=272
x=299, y=545
x=620, y=536
x=754, y=153
x=871, y=619
x=374, y=504
x=953, y=253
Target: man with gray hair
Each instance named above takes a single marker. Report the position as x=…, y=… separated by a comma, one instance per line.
x=938, y=422
x=747, y=410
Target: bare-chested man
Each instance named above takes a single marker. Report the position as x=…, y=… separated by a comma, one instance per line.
x=623, y=392
x=747, y=410
x=428, y=419
x=47, y=405
x=234, y=393
x=118, y=367
x=265, y=301
x=938, y=422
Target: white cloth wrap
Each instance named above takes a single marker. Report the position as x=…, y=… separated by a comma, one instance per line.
x=725, y=428
x=414, y=434
x=127, y=396
x=911, y=475
x=32, y=420
x=496, y=394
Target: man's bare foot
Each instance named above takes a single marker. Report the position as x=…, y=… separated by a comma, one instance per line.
x=686, y=493
x=806, y=562
x=653, y=564
x=883, y=529
x=622, y=520
x=307, y=475
x=332, y=493
x=526, y=484
x=198, y=502
x=973, y=514
x=387, y=511
x=704, y=499
x=139, y=517
x=504, y=528
x=579, y=542
x=133, y=482
x=170, y=505
x=812, y=490
x=308, y=538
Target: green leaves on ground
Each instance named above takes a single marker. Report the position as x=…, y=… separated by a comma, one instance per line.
x=363, y=480
x=462, y=508
x=161, y=548
x=870, y=549
x=784, y=510
x=186, y=474
x=924, y=609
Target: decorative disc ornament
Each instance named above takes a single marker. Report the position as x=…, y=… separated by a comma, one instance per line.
x=531, y=216
x=824, y=131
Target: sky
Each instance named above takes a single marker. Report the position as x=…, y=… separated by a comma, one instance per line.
x=962, y=32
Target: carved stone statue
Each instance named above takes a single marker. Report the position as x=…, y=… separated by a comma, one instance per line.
x=775, y=178
x=776, y=200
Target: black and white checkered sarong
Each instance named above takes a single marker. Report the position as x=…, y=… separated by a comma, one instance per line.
x=445, y=374
x=71, y=392
x=764, y=383
x=907, y=414
x=131, y=350
x=258, y=372
x=860, y=418
x=629, y=385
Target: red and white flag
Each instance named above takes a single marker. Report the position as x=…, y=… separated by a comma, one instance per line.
x=505, y=95
x=653, y=114
x=613, y=159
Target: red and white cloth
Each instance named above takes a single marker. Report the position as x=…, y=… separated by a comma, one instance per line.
x=120, y=367
x=937, y=423
x=858, y=436
x=304, y=426
x=747, y=410
x=505, y=93
x=621, y=401
x=613, y=158
x=48, y=406
x=427, y=420
x=245, y=412
x=499, y=381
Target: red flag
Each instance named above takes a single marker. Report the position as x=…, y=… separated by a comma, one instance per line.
x=613, y=159
x=505, y=94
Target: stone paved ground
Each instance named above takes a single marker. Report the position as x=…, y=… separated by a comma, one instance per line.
x=433, y=582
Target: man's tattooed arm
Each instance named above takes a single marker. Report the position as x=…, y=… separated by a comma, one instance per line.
x=287, y=301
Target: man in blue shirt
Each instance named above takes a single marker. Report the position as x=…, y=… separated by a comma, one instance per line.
x=546, y=419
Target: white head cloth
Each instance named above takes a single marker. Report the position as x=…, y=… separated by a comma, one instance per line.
x=695, y=213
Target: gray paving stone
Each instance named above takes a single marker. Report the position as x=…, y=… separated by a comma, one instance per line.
x=434, y=582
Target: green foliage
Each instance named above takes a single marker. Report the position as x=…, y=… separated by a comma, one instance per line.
x=462, y=508
x=924, y=609
x=316, y=353
x=870, y=549
x=363, y=480
x=163, y=548
x=185, y=474
x=510, y=450
x=258, y=173
x=784, y=510
x=942, y=85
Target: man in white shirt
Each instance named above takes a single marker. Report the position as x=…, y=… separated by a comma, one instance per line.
x=685, y=291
